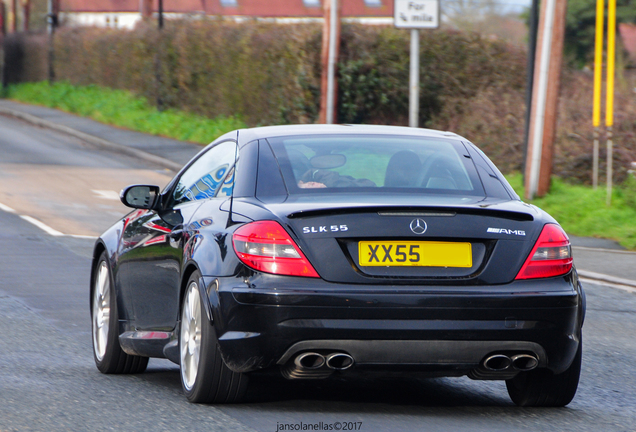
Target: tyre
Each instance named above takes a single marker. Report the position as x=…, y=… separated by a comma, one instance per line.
x=204, y=376
x=542, y=388
x=108, y=355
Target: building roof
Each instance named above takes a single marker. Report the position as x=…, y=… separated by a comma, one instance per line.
x=248, y=8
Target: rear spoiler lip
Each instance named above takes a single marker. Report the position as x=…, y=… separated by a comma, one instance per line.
x=409, y=211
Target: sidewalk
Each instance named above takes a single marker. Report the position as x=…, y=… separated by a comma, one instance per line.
x=597, y=260
x=169, y=153
x=603, y=260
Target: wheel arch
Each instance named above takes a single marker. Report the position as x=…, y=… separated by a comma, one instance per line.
x=98, y=250
x=108, y=242
x=189, y=269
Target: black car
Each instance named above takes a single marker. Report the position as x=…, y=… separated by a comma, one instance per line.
x=313, y=251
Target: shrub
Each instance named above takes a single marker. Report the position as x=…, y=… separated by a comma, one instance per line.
x=266, y=73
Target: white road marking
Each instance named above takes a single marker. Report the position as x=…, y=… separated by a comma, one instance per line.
x=6, y=208
x=55, y=233
x=81, y=236
x=107, y=194
x=44, y=227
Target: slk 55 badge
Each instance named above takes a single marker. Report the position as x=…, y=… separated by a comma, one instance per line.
x=325, y=229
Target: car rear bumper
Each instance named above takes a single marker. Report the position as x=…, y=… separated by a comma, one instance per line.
x=268, y=320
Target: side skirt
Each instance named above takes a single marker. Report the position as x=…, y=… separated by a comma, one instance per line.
x=147, y=343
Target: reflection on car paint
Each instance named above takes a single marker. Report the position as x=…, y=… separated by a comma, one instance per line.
x=206, y=186
x=154, y=226
x=156, y=240
x=198, y=224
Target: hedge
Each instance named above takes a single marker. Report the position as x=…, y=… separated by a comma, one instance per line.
x=266, y=74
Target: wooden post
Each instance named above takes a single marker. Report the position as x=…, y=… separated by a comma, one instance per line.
x=543, y=115
x=14, y=16
x=160, y=14
x=52, y=21
x=26, y=9
x=145, y=9
x=3, y=19
x=330, y=52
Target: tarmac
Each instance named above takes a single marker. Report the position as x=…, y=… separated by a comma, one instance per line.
x=598, y=261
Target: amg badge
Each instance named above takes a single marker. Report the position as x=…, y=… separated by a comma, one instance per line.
x=506, y=231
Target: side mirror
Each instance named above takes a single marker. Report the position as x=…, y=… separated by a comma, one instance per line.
x=140, y=196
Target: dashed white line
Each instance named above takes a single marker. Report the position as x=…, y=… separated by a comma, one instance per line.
x=6, y=208
x=78, y=236
x=106, y=194
x=44, y=227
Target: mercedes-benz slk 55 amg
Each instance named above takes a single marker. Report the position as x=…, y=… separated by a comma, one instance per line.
x=315, y=251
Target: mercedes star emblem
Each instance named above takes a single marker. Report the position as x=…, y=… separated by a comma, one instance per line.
x=418, y=226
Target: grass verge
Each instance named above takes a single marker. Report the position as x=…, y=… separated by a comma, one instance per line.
x=124, y=109
x=582, y=211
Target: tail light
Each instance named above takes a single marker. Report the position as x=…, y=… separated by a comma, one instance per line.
x=266, y=246
x=551, y=255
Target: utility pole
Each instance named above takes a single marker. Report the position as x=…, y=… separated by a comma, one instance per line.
x=543, y=114
x=145, y=9
x=158, y=54
x=532, y=48
x=330, y=53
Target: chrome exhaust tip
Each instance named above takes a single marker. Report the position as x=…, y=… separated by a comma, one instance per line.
x=310, y=360
x=524, y=362
x=497, y=362
x=339, y=361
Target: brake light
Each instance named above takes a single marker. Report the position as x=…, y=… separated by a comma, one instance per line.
x=551, y=255
x=266, y=246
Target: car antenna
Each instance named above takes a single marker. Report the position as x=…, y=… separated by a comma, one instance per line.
x=229, y=220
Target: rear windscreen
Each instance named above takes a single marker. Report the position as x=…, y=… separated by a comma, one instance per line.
x=333, y=163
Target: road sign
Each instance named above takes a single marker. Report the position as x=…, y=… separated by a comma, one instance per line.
x=416, y=14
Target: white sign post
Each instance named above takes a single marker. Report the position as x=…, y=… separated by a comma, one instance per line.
x=415, y=15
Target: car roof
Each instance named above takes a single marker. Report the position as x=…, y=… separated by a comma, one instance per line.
x=246, y=135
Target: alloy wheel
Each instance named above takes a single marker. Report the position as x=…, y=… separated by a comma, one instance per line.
x=190, y=337
x=101, y=311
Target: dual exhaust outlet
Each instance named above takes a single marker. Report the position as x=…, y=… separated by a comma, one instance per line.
x=335, y=361
x=502, y=362
x=309, y=361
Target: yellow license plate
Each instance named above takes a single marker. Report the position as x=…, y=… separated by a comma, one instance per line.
x=415, y=254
